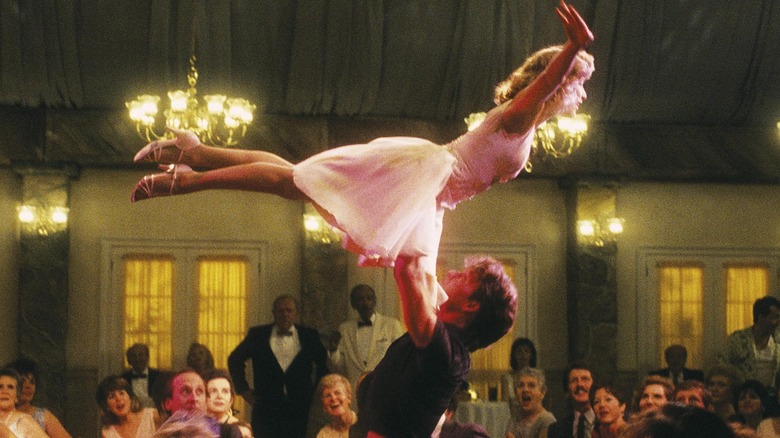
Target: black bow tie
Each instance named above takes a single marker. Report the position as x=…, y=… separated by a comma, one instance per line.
x=365, y=323
x=285, y=333
x=138, y=376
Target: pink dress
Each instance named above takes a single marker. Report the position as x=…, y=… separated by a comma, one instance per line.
x=388, y=196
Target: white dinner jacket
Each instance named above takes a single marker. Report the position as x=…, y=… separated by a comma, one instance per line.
x=346, y=358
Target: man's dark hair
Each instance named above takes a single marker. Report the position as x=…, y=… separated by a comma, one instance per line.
x=497, y=299
x=575, y=365
x=358, y=288
x=763, y=305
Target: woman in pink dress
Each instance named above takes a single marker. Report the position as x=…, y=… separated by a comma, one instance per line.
x=389, y=196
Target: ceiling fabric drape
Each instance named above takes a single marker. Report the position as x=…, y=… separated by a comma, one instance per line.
x=697, y=62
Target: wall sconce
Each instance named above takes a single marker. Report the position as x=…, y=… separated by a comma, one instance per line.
x=317, y=229
x=42, y=220
x=599, y=232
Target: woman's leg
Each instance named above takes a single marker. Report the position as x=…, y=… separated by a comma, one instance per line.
x=186, y=148
x=261, y=177
x=212, y=157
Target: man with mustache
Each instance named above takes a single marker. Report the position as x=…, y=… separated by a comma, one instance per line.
x=577, y=383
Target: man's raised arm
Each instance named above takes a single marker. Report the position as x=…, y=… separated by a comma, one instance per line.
x=417, y=289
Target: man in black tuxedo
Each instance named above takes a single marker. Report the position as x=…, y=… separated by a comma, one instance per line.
x=577, y=383
x=140, y=376
x=287, y=360
x=676, y=356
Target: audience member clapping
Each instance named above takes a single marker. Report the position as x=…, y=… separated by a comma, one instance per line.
x=121, y=412
x=16, y=422
x=654, y=392
x=28, y=370
x=335, y=394
x=531, y=419
x=220, y=395
x=609, y=403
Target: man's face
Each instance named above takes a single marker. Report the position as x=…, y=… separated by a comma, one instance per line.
x=459, y=286
x=137, y=358
x=675, y=358
x=580, y=381
x=690, y=397
x=771, y=320
x=285, y=313
x=363, y=300
x=189, y=393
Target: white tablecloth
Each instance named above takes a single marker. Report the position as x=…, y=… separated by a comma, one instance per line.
x=493, y=416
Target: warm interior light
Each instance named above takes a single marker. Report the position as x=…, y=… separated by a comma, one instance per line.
x=27, y=214
x=587, y=228
x=311, y=223
x=59, y=215
x=615, y=225
x=474, y=120
x=217, y=120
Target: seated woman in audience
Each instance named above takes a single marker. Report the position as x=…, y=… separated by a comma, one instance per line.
x=220, y=395
x=15, y=423
x=721, y=380
x=530, y=420
x=335, y=394
x=752, y=403
x=28, y=370
x=654, y=392
x=521, y=355
x=609, y=404
x=121, y=412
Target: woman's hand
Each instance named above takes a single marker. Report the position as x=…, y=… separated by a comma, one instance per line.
x=576, y=28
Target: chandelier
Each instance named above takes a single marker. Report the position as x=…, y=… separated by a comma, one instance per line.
x=218, y=120
x=558, y=137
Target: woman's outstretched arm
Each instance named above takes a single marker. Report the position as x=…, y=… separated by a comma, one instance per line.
x=526, y=105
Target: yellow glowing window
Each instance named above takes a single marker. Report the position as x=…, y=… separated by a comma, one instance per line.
x=148, y=287
x=221, y=304
x=744, y=285
x=680, y=299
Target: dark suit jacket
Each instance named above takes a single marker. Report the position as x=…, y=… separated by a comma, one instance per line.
x=273, y=407
x=687, y=374
x=153, y=373
x=562, y=428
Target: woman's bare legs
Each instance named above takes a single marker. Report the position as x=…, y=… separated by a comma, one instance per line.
x=264, y=177
x=186, y=148
x=211, y=157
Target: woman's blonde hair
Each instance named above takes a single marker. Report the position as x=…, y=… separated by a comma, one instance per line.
x=534, y=65
x=331, y=380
